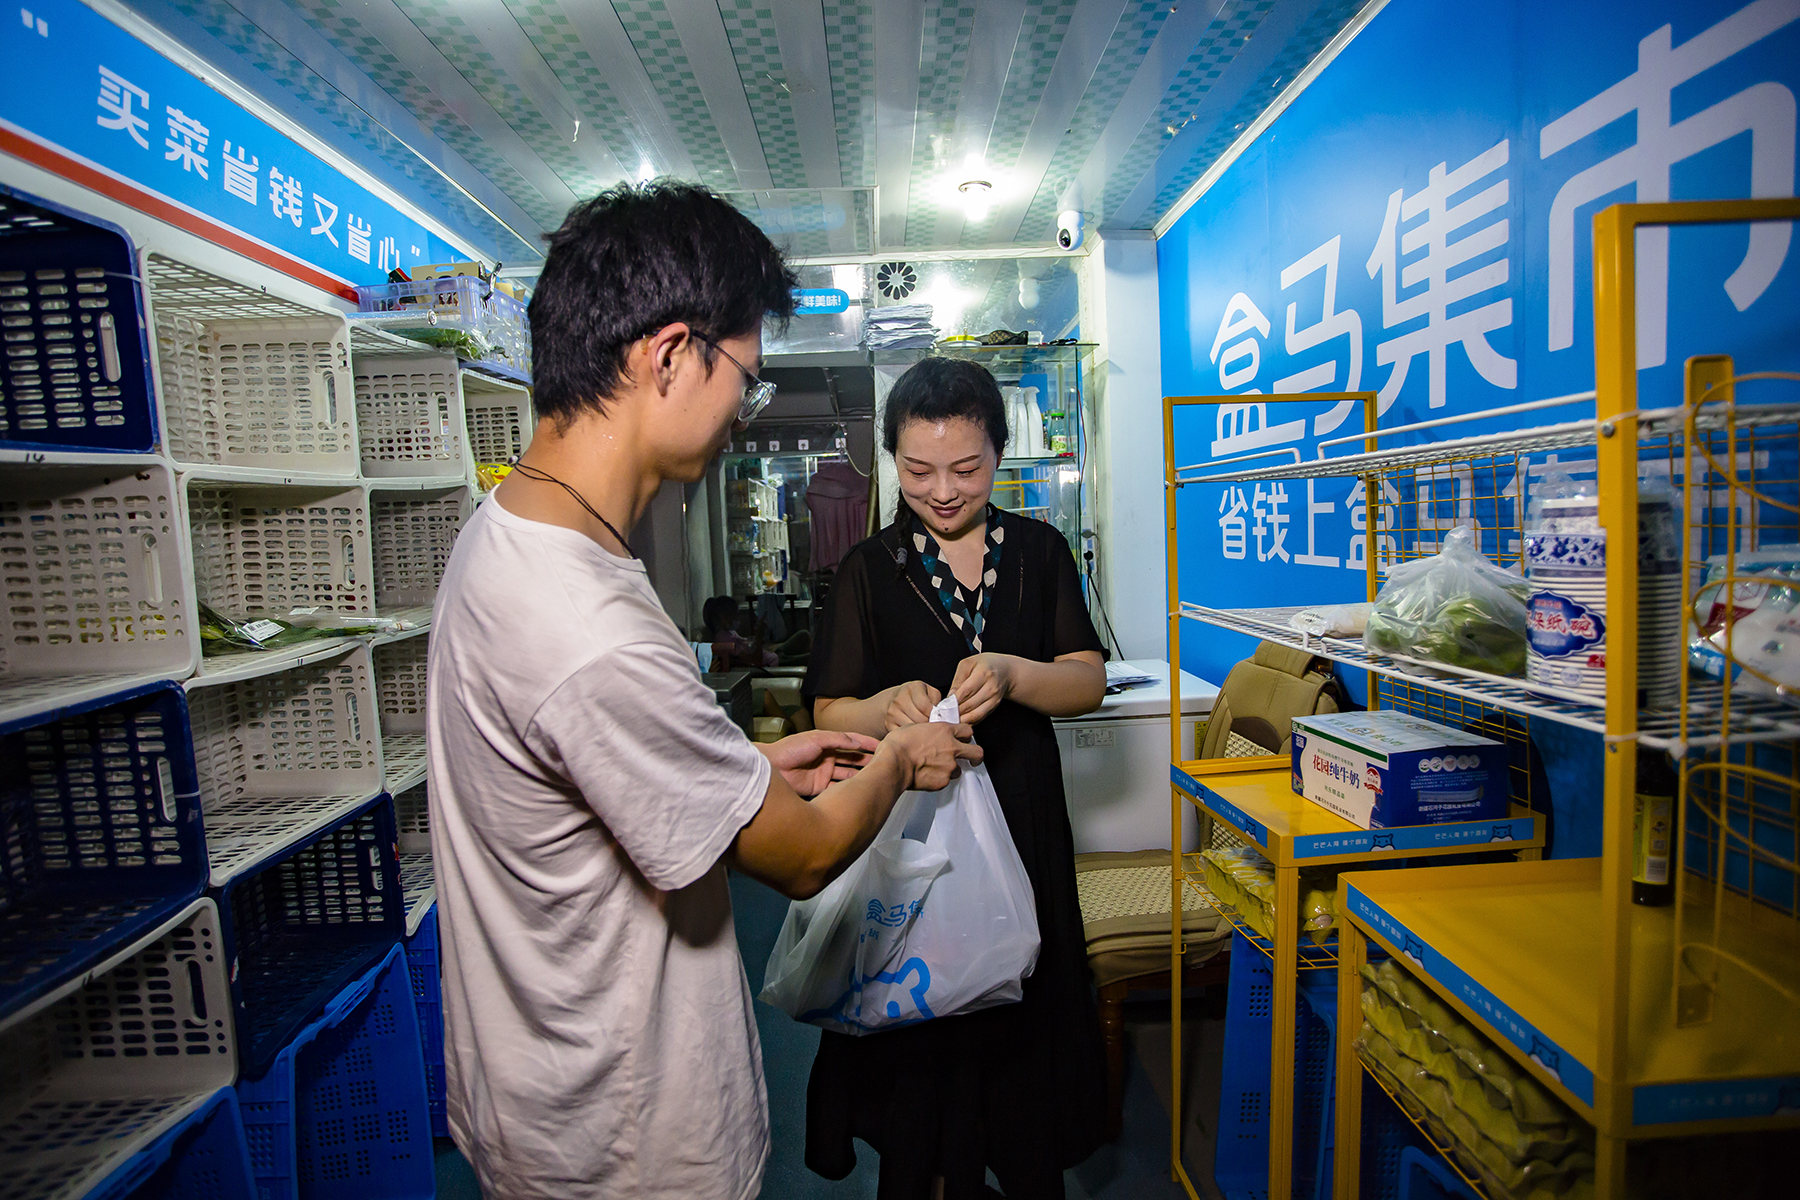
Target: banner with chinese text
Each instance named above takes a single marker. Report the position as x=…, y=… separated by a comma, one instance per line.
x=79, y=84
x=1419, y=223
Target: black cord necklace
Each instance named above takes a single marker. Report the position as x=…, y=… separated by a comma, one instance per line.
x=545, y=476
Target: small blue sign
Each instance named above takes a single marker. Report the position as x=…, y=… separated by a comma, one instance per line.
x=817, y=301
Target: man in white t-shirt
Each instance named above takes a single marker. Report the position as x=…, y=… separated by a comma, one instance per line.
x=587, y=793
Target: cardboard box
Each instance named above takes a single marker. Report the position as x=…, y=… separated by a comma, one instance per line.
x=1385, y=768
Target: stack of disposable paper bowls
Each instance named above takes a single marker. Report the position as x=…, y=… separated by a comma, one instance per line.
x=1565, y=616
x=1662, y=649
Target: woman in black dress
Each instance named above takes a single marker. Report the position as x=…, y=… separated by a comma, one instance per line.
x=959, y=596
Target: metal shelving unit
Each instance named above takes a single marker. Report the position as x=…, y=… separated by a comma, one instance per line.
x=1647, y=1022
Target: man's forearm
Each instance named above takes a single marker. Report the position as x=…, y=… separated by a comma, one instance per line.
x=856, y=716
x=852, y=812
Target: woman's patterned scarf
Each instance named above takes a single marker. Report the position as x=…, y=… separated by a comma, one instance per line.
x=968, y=615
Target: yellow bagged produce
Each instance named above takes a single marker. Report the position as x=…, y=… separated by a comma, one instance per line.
x=1243, y=878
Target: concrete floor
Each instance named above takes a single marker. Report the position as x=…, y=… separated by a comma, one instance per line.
x=1133, y=1168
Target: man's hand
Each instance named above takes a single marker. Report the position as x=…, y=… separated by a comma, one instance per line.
x=812, y=761
x=930, y=753
x=982, y=681
x=911, y=705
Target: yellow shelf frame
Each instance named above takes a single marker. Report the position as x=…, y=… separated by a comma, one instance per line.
x=1627, y=950
x=1255, y=797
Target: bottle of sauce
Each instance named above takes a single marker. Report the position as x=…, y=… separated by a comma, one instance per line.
x=1653, y=830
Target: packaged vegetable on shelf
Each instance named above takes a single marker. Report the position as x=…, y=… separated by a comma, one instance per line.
x=222, y=635
x=1759, y=596
x=1454, y=607
x=1244, y=879
x=1333, y=620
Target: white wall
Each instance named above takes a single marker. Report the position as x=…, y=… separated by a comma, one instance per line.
x=1119, y=311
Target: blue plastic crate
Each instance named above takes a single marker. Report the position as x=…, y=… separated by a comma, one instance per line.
x=428, y=998
x=100, y=811
x=81, y=379
x=342, y=1110
x=301, y=927
x=203, y=1158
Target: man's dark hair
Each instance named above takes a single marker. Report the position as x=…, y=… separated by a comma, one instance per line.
x=631, y=260
x=720, y=614
x=936, y=389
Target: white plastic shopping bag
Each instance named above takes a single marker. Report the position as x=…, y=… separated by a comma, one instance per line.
x=937, y=917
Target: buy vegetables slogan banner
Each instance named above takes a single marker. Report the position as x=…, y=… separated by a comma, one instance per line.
x=1418, y=224
x=81, y=86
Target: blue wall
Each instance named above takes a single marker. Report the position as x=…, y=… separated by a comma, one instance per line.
x=1418, y=223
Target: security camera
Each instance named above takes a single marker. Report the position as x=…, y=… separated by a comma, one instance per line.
x=1068, y=229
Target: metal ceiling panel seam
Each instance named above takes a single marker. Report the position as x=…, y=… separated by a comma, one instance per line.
x=992, y=45
x=947, y=28
x=1254, y=126
x=288, y=29
x=664, y=60
x=1177, y=41
x=899, y=32
x=1099, y=33
x=415, y=52
x=1035, y=50
x=806, y=63
x=500, y=36
x=700, y=27
x=611, y=55
x=850, y=51
x=756, y=53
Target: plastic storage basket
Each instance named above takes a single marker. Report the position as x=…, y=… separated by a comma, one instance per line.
x=457, y=312
x=249, y=379
x=499, y=418
x=303, y=926
x=428, y=998
x=101, y=821
x=89, y=1083
x=409, y=416
x=412, y=534
x=282, y=755
x=272, y=549
x=205, y=1157
x=97, y=596
x=412, y=817
x=400, y=691
x=75, y=375
x=341, y=1110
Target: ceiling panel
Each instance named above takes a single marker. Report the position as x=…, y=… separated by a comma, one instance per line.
x=500, y=114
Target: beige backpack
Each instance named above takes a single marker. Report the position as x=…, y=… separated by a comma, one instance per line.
x=1261, y=697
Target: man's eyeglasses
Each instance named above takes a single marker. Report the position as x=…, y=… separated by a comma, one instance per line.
x=757, y=392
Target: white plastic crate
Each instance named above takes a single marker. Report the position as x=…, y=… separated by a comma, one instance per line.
x=400, y=691
x=412, y=533
x=499, y=418
x=272, y=549
x=412, y=815
x=409, y=416
x=283, y=755
x=248, y=379
x=102, y=1068
x=97, y=596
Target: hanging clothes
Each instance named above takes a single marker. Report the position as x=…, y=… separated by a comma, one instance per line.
x=837, y=500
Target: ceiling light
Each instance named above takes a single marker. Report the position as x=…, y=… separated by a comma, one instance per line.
x=977, y=195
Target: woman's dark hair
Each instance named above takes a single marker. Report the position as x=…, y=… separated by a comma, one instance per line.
x=936, y=389
x=631, y=260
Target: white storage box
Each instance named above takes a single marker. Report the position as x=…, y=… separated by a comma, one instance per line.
x=412, y=533
x=282, y=755
x=400, y=691
x=102, y=1068
x=498, y=416
x=412, y=814
x=272, y=549
x=409, y=416
x=248, y=379
x=97, y=595
x=1386, y=768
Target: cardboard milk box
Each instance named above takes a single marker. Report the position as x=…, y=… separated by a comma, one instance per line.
x=1385, y=768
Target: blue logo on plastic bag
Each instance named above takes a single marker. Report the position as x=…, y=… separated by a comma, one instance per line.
x=848, y=1008
x=1559, y=627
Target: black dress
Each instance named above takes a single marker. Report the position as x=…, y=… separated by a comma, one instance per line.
x=1019, y=1088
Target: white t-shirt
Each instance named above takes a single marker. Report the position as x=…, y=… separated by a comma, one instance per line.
x=584, y=785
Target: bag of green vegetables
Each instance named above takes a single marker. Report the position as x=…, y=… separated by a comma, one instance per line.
x=1454, y=607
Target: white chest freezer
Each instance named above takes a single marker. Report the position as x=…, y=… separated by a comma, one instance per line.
x=1115, y=764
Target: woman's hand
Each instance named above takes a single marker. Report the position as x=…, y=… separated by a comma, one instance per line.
x=982, y=681
x=813, y=760
x=911, y=704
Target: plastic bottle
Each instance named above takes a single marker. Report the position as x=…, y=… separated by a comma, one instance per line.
x=1653, y=831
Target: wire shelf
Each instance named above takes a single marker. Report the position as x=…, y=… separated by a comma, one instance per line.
x=1311, y=956
x=418, y=886
x=1444, y=1152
